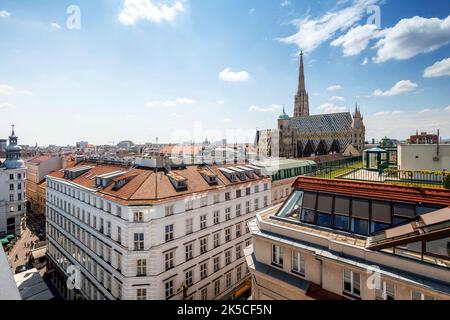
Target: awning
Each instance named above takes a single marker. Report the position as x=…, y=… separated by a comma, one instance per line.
x=239, y=292
x=36, y=254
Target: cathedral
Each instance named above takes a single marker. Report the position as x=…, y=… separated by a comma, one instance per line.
x=305, y=135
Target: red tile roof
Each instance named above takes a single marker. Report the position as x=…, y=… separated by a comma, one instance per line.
x=39, y=159
x=148, y=186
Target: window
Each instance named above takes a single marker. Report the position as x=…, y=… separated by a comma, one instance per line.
x=203, y=270
x=11, y=186
x=189, y=278
x=168, y=258
x=216, y=217
x=228, y=280
x=169, y=232
x=266, y=201
x=11, y=176
x=256, y=188
x=203, y=221
x=141, y=267
x=216, y=263
x=352, y=283
x=266, y=187
x=247, y=206
x=216, y=198
x=238, y=193
x=101, y=224
x=189, y=225
x=238, y=210
x=108, y=228
x=169, y=289
x=203, y=245
x=227, y=257
x=239, y=273
x=189, y=205
x=238, y=230
x=341, y=222
x=247, y=191
x=298, y=263
x=19, y=186
x=360, y=226
x=138, y=241
x=385, y=292
x=189, y=249
x=238, y=251
x=416, y=295
x=204, y=201
x=256, y=204
x=216, y=238
x=228, y=234
x=204, y=294
x=169, y=210
x=277, y=255
x=119, y=235
x=227, y=196
x=19, y=197
x=11, y=197
x=141, y=294
x=227, y=213
x=216, y=287
x=139, y=216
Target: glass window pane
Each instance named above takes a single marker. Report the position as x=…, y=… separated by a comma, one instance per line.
x=360, y=208
x=325, y=203
x=381, y=211
x=405, y=210
x=324, y=219
x=308, y=215
x=342, y=205
x=440, y=247
x=341, y=222
x=309, y=200
x=360, y=226
x=292, y=206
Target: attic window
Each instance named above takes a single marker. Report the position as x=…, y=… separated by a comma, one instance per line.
x=231, y=175
x=179, y=182
x=210, y=177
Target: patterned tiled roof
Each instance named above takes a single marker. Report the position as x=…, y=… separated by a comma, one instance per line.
x=330, y=122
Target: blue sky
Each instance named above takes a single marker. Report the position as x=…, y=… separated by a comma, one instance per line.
x=186, y=69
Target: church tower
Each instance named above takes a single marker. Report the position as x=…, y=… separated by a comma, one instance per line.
x=301, y=107
x=358, y=130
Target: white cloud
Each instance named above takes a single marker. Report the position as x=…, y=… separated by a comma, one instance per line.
x=334, y=88
x=312, y=32
x=410, y=37
x=447, y=109
x=337, y=98
x=170, y=103
x=355, y=40
x=365, y=61
x=425, y=110
x=6, y=90
x=388, y=113
x=221, y=102
x=4, y=14
x=271, y=108
x=439, y=69
x=26, y=92
x=403, y=86
x=4, y=106
x=228, y=75
x=55, y=25
x=285, y=3
x=331, y=108
x=227, y=120
x=135, y=10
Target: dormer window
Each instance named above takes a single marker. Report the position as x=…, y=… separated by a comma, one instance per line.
x=209, y=176
x=179, y=182
x=231, y=175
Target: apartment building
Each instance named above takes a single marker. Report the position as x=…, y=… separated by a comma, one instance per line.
x=149, y=231
x=37, y=168
x=12, y=189
x=342, y=239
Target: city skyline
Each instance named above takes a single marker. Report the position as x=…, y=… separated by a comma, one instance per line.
x=136, y=70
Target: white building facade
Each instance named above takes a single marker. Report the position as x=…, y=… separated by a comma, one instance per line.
x=188, y=245
x=12, y=190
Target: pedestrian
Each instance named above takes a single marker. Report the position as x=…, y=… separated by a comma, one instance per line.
x=17, y=257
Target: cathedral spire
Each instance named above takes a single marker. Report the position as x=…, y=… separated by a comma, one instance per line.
x=301, y=108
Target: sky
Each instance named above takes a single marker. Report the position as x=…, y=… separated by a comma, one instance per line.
x=180, y=70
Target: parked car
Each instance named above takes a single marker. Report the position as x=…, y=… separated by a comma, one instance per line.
x=21, y=268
